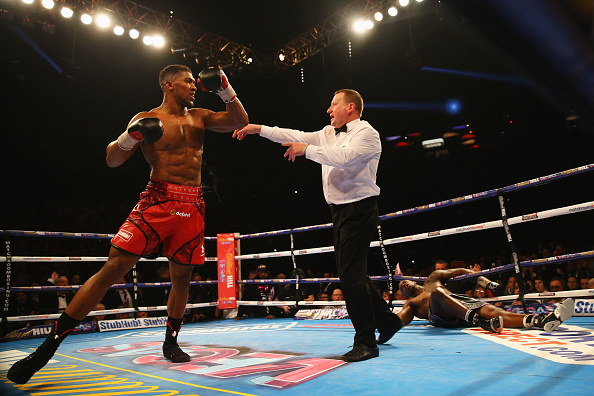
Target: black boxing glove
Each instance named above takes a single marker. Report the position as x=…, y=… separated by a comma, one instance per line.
x=214, y=80
x=148, y=130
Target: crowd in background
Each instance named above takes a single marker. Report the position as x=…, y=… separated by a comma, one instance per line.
x=569, y=275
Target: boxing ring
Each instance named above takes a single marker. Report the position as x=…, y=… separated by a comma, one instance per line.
x=260, y=356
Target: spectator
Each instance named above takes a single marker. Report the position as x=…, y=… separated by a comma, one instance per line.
x=142, y=314
x=323, y=296
x=123, y=315
x=157, y=296
x=510, y=287
x=441, y=265
x=257, y=292
x=398, y=295
x=557, y=284
x=584, y=282
x=480, y=292
x=328, y=287
x=539, y=285
x=76, y=280
x=337, y=295
x=288, y=293
x=572, y=283
x=118, y=297
x=97, y=318
x=201, y=294
x=529, y=286
x=64, y=296
x=20, y=305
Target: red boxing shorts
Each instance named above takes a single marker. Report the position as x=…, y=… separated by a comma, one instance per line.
x=167, y=215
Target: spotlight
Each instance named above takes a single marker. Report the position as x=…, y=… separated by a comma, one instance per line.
x=392, y=11
x=28, y=1
x=249, y=60
x=66, y=12
x=147, y=40
x=433, y=143
x=49, y=4
x=359, y=26
x=118, y=30
x=134, y=34
x=453, y=106
x=378, y=16
x=403, y=3
x=281, y=57
x=158, y=41
x=86, y=19
x=368, y=24
x=103, y=21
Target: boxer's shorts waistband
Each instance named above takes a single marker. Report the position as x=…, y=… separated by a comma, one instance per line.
x=177, y=192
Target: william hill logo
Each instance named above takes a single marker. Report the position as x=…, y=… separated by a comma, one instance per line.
x=181, y=214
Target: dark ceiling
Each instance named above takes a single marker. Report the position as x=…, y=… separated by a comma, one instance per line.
x=56, y=127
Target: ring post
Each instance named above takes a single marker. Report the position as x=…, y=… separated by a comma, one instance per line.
x=8, y=275
x=227, y=271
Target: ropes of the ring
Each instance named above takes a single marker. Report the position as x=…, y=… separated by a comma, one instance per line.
x=108, y=312
x=65, y=259
x=572, y=209
x=493, y=224
x=57, y=234
x=447, y=202
x=115, y=286
x=436, y=205
x=486, y=272
x=529, y=296
x=545, y=295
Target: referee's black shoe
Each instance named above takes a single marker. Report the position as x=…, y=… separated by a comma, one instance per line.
x=360, y=352
x=385, y=334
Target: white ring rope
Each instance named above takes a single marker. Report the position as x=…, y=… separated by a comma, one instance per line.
x=546, y=295
x=578, y=208
x=66, y=259
x=107, y=312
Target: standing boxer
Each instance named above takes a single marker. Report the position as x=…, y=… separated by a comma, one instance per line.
x=349, y=150
x=170, y=211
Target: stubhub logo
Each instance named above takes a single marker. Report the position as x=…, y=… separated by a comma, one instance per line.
x=584, y=307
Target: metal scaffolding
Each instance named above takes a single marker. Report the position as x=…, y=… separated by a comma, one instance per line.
x=212, y=49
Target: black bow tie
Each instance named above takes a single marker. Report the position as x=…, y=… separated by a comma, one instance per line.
x=341, y=129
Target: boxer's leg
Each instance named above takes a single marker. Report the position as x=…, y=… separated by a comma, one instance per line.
x=176, y=305
x=88, y=296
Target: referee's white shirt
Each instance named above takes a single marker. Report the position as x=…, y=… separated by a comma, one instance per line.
x=349, y=160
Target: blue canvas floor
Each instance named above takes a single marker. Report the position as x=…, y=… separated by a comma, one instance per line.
x=290, y=357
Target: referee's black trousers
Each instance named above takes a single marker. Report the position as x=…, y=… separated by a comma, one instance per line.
x=355, y=225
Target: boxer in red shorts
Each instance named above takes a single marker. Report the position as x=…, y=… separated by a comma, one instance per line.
x=170, y=211
x=168, y=214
